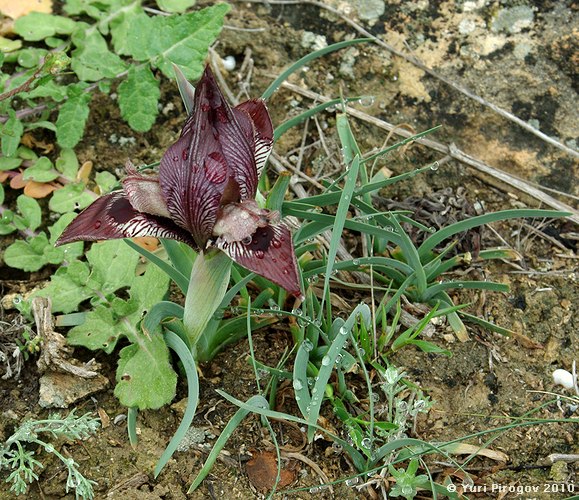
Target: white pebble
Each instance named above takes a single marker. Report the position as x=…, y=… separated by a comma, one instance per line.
x=563, y=378
x=229, y=63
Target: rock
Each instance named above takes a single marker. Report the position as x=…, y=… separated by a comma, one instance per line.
x=59, y=390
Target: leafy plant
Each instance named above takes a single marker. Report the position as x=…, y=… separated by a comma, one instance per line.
x=119, y=299
x=17, y=458
x=123, y=43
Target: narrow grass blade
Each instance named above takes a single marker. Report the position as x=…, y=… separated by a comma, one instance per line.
x=411, y=255
x=434, y=290
x=132, y=425
x=350, y=147
x=276, y=196
x=340, y=219
x=333, y=197
x=453, y=318
x=300, y=377
x=391, y=447
x=486, y=324
x=181, y=256
x=390, y=267
x=160, y=312
x=306, y=59
x=180, y=348
x=181, y=281
x=401, y=143
x=229, y=331
x=348, y=224
x=355, y=455
x=296, y=120
x=328, y=364
x=464, y=225
x=499, y=253
x=253, y=403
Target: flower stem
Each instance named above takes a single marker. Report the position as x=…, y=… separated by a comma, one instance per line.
x=207, y=287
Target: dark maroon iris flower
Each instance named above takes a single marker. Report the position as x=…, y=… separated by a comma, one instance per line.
x=204, y=194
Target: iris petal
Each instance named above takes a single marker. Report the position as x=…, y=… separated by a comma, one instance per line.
x=112, y=216
x=269, y=253
x=144, y=192
x=196, y=173
x=262, y=130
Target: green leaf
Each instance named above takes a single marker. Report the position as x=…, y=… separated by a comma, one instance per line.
x=72, y=119
x=59, y=226
x=92, y=60
x=41, y=171
x=37, y=25
x=138, y=98
x=175, y=5
x=120, y=23
x=145, y=377
x=113, y=268
x=111, y=265
x=207, y=287
x=67, y=287
x=94, y=9
x=30, y=57
x=41, y=124
x=6, y=218
x=183, y=40
x=71, y=197
x=101, y=330
x=70, y=251
x=27, y=255
x=9, y=163
x=105, y=181
x=10, y=133
x=48, y=89
x=67, y=164
x=7, y=45
x=30, y=210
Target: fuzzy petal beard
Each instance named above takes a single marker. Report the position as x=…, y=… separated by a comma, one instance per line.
x=112, y=216
x=269, y=253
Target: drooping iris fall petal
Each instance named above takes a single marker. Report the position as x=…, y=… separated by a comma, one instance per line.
x=112, y=216
x=268, y=252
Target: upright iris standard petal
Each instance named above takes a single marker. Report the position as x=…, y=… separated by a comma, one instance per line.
x=262, y=131
x=112, y=216
x=196, y=173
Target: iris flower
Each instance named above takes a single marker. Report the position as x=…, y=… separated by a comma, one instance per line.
x=204, y=193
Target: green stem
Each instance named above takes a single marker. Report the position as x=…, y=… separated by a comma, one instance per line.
x=207, y=287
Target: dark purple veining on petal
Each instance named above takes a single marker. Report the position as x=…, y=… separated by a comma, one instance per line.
x=205, y=189
x=112, y=216
x=276, y=262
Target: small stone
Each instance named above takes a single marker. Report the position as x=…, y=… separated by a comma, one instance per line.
x=59, y=390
